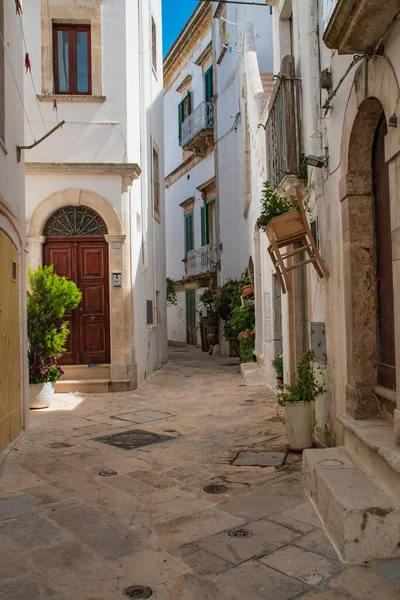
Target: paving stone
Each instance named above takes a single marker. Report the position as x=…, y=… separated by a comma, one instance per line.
x=43, y=495
x=390, y=569
x=31, y=531
x=74, y=515
x=16, y=506
x=257, y=582
x=326, y=594
x=11, y=564
x=204, y=563
x=190, y=587
x=260, y=459
x=30, y=587
x=110, y=541
x=195, y=526
x=318, y=542
x=366, y=583
x=67, y=564
x=154, y=480
x=97, y=590
x=266, y=537
x=148, y=567
x=143, y=416
x=306, y=566
x=301, y=517
x=259, y=503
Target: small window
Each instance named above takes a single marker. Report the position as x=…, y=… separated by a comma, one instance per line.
x=154, y=45
x=14, y=271
x=184, y=110
x=208, y=223
x=189, y=232
x=149, y=310
x=72, y=59
x=156, y=185
x=208, y=84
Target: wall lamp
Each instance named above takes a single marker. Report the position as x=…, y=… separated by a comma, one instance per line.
x=316, y=161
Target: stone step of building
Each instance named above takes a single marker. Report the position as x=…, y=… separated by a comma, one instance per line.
x=361, y=518
x=78, y=372
x=252, y=374
x=88, y=386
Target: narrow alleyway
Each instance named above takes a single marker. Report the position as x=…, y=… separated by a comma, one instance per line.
x=68, y=533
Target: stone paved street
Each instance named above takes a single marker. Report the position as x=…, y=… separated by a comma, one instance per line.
x=68, y=533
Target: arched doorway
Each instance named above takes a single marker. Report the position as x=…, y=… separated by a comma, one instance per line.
x=76, y=246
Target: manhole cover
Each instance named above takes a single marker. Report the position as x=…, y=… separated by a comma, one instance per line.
x=107, y=473
x=138, y=591
x=215, y=489
x=129, y=440
x=240, y=533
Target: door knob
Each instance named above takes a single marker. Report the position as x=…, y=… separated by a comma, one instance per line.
x=4, y=338
x=93, y=318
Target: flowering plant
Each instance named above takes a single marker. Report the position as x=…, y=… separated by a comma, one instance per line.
x=46, y=372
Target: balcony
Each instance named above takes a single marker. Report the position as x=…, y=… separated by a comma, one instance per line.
x=199, y=262
x=198, y=129
x=283, y=128
x=355, y=26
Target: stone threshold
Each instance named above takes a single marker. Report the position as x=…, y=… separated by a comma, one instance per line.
x=372, y=443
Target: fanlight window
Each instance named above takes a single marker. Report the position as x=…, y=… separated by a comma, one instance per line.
x=74, y=220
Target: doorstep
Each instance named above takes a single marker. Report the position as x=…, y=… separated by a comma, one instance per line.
x=360, y=517
x=89, y=379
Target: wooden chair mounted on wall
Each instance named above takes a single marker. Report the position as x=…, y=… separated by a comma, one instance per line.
x=292, y=231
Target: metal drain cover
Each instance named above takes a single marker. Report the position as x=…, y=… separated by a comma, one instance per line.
x=215, y=489
x=109, y=473
x=240, y=533
x=129, y=440
x=138, y=591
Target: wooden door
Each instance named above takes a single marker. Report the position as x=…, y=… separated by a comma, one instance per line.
x=191, y=317
x=384, y=269
x=10, y=351
x=84, y=260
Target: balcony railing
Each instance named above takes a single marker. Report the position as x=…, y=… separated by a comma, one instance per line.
x=200, y=121
x=201, y=261
x=283, y=129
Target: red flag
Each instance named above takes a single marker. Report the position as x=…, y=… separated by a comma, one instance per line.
x=55, y=104
x=18, y=7
x=27, y=62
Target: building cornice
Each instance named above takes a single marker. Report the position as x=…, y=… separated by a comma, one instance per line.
x=184, y=83
x=204, y=55
x=127, y=169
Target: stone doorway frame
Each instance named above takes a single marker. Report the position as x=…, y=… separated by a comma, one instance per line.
x=121, y=324
x=375, y=89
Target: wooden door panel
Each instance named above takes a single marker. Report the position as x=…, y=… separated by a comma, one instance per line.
x=92, y=262
x=62, y=255
x=93, y=338
x=93, y=299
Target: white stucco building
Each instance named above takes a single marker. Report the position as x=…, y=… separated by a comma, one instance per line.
x=94, y=188
x=13, y=361
x=216, y=82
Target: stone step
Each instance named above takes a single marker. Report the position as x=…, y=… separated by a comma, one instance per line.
x=252, y=374
x=88, y=386
x=78, y=372
x=362, y=520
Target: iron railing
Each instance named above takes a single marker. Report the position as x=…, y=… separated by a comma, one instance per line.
x=201, y=119
x=283, y=128
x=201, y=261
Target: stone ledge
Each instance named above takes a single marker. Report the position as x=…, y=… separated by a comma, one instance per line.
x=360, y=517
x=252, y=374
x=70, y=98
x=377, y=435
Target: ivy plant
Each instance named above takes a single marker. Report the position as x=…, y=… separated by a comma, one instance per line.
x=172, y=298
x=306, y=388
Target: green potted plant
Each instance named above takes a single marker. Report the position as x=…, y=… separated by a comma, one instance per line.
x=297, y=401
x=280, y=217
x=49, y=298
x=277, y=363
x=172, y=296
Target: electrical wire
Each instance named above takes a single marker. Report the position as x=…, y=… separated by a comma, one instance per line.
x=30, y=71
x=16, y=84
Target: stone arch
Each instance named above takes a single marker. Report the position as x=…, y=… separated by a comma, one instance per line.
x=374, y=92
x=71, y=197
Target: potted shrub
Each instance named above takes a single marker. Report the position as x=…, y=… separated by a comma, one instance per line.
x=297, y=401
x=280, y=217
x=277, y=363
x=48, y=299
x=246, y=345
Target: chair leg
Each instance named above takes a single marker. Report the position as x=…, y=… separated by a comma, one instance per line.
x=275, y=262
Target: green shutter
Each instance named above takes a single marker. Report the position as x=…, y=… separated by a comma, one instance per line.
x=180, y=120
x=189, y=232
x=205, y=227
x=208, y=84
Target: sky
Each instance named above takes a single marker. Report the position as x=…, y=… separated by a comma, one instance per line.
x=175, y=15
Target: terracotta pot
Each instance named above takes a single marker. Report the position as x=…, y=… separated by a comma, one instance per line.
x=247, y=290
x=299, y=425
x=40, y=395
x=289, y=225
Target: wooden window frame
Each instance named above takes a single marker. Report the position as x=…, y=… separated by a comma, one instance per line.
x=72, y=66
x=189, y=239
x=208, y=84
x=181, y=112
x=154, y=45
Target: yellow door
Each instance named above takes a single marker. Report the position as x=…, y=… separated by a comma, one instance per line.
x=10, y=402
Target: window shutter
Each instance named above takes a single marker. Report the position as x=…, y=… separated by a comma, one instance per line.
x=149, y=311
x=189, y=103
x=203, y=214
x=180, y=120
x=189, y=232
x=208, y=84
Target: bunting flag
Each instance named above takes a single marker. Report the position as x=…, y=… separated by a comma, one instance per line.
x=18, y=7
x=55, y=104
x=27, y=63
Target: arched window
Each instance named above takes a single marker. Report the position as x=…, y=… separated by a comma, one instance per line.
x=74, y=220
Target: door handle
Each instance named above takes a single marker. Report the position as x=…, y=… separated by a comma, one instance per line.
x=92, y=318
x=4, y=338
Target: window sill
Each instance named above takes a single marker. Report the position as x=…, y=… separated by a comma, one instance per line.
x=71, y=98
x=3, y=147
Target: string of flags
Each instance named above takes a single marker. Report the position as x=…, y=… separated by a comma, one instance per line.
x=18, y=7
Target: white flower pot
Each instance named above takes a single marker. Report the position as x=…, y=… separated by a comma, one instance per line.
x=40, y=395
x=299, y=425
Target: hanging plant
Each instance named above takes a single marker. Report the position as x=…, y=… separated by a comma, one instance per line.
x=274, y=205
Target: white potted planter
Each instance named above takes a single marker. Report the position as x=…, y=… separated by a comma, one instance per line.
x=40, y=395
x=297, y=400
x=299, y=425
